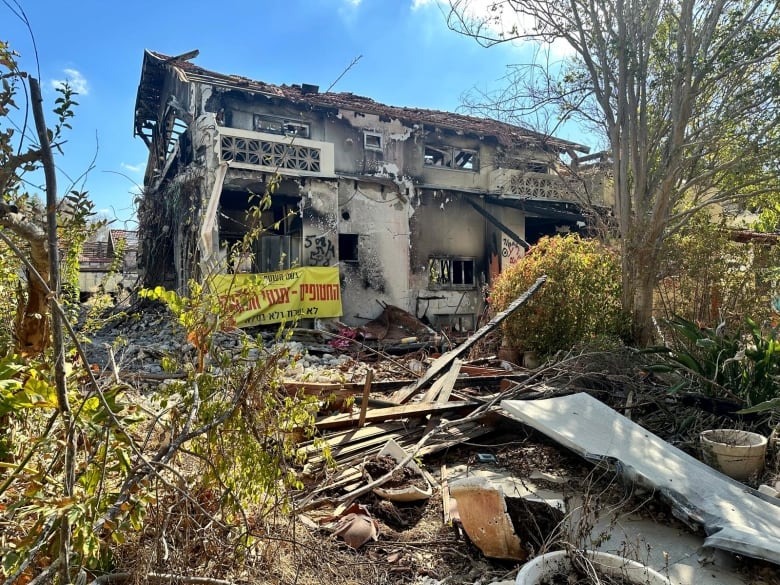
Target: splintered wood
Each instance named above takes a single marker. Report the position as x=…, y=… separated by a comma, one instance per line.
x=450, y=408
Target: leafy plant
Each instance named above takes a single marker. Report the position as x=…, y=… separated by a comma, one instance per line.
x=707, y=277
x=744, y=366
x=580, y=300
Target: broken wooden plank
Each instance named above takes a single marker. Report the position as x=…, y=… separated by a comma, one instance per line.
x=366, y=392
x=441, y=389
x=345, y=454
x=455, y=437
x=393, y=412
x=403, y=395
x=445, y=494
x=340, y=438
x=449, y=381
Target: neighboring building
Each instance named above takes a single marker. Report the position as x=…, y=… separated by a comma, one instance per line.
x=418, y=208
x=99, y=268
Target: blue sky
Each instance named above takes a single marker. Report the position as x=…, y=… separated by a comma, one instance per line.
x=409, y=58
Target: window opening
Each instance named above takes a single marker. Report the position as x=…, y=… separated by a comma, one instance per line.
x=282, y=126
x=372, y=141
x=536, y=167
x=348, y=247
x=436, y=157
x=463, y=159
x=451, y=273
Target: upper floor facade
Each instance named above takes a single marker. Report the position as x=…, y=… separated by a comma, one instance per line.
x=297, y=131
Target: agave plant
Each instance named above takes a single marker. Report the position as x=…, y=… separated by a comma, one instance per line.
x=744, y=366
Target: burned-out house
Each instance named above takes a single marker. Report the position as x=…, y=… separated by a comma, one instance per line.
x=108, y=264
x=417, y=208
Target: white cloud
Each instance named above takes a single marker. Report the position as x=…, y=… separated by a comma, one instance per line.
x=75, y=79
x=132, y=168
x=416, y=4
x=353, y=2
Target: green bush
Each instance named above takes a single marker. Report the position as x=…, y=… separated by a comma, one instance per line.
x=579, y=302
x=708, y=278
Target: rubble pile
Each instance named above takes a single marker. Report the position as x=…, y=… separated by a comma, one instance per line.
x=139, y=341
x=500, y=489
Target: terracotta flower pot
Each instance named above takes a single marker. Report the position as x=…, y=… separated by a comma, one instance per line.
x=738, y=454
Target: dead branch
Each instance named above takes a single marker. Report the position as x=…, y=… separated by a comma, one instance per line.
x=164, y=577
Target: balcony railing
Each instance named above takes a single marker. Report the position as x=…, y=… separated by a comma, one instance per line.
x=547, y=186
x=271, y=152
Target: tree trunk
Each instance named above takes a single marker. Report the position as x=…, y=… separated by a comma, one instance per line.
x=32, y=325
x=643, y=310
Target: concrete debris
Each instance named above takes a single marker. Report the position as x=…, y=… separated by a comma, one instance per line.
x=483, y=513
x=735, y=517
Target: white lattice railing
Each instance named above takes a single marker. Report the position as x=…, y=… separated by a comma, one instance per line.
x=272, y=152
x=543, y=186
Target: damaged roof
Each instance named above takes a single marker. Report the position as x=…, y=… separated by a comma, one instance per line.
x=156, y=65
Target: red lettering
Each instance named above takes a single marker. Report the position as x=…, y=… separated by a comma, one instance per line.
x=277, y=296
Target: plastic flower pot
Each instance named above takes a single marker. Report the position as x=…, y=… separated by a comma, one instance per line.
x=409, y=493
x=545, y=567
x=738, y=454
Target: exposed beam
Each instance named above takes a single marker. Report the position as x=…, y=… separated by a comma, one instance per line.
x=495, y=221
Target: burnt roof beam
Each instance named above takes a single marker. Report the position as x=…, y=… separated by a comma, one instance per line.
x=496, y=222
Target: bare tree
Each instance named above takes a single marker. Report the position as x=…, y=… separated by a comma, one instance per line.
x=685, y=91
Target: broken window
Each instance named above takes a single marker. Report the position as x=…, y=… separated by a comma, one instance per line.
x=447, y=272
x=450, y=157
x=372, y=141
x=283, y=126
x=348, y=247
x=436, y=157
x=536, y=167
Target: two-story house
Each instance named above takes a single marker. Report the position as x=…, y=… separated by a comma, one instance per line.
x=417, y=208
x=108, y=264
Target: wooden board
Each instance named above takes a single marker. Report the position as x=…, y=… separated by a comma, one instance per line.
x=393, y=412
x=403, y=395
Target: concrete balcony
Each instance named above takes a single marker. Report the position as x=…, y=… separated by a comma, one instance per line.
x=544, y=186
x=289, y=155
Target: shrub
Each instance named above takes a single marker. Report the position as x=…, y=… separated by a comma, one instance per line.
x=708, y=278
x=744, y=366
x=580, y=300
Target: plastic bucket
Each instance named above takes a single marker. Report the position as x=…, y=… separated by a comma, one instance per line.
x=545, y=566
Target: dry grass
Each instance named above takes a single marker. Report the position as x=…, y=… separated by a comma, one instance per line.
x=414, y=543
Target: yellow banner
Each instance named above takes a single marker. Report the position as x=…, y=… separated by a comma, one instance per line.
x=276, y=297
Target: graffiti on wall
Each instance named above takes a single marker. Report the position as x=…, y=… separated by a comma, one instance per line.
x=511, y=251
x=320, y=250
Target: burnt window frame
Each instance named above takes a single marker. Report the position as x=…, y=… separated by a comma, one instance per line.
x=446, y=156
x=286, y=126
x=371, y=135
x=452, y=273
